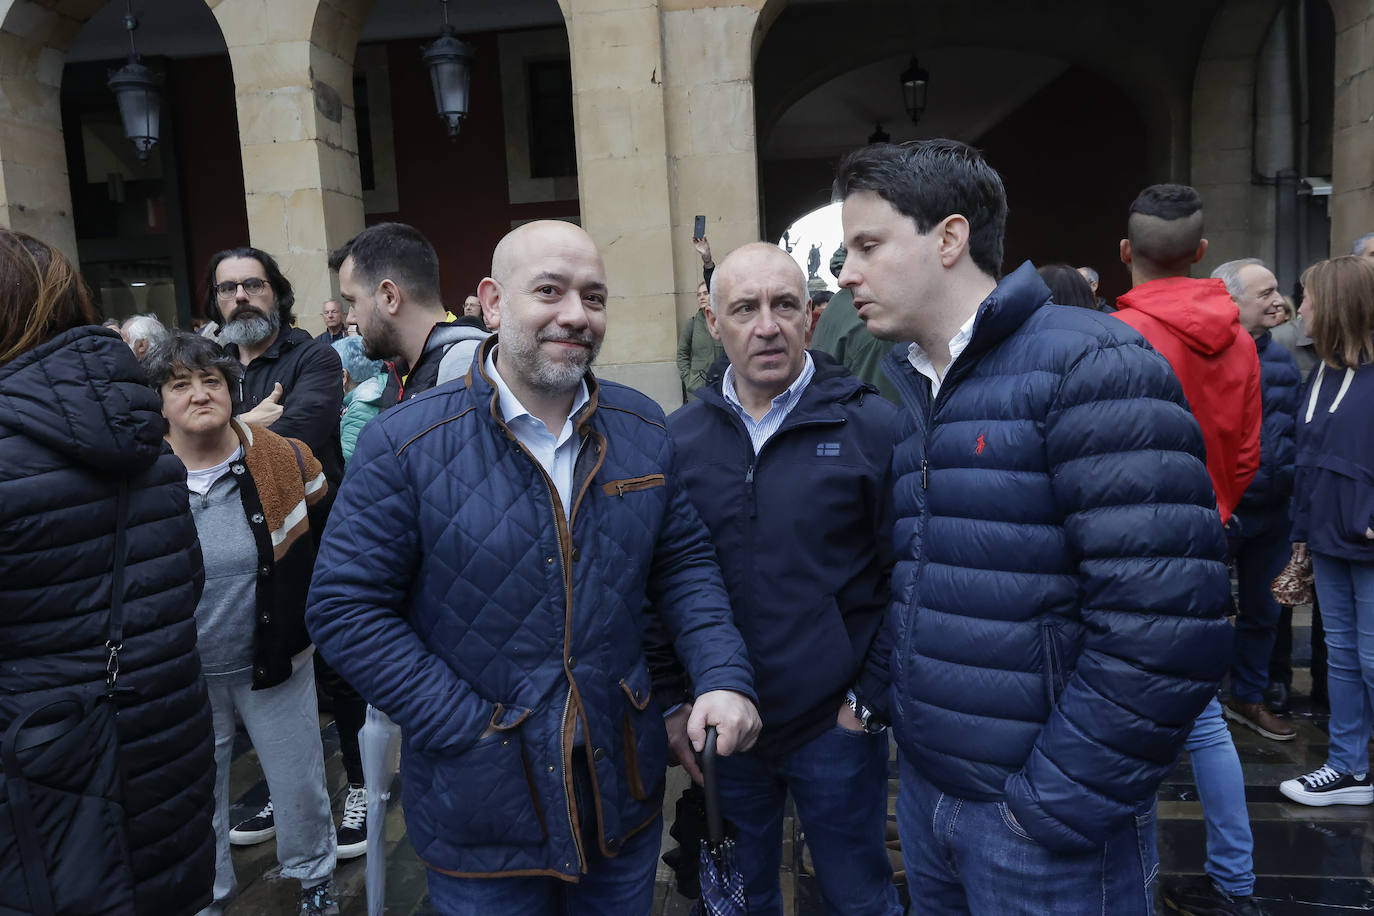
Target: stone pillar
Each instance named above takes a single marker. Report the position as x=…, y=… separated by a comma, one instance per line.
x=1222, y=149
x=623, y=183
x=35, y=194
x=1352, y=178
x=664, y=112
x=293, y=87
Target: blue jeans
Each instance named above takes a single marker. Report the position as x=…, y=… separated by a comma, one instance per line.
x=1221, y=789
x=1260, y=549
x=1346, y=592
x=839, y=784
x=972, y=857
x=622, y=886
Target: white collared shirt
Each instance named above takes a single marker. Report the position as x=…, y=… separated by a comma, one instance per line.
x=761, y=430
x=920, y=360
x=556, y=454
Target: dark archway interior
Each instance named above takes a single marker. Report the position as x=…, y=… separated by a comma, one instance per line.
x=1073, y=157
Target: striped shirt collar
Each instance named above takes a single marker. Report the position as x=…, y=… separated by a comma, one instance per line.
x=761, y=430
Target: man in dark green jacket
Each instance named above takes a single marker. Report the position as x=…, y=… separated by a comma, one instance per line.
x=842, y=334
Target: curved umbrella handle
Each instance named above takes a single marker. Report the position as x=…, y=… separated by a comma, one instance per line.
x=715, y=828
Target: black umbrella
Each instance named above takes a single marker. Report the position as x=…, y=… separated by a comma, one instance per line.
x=722, y=884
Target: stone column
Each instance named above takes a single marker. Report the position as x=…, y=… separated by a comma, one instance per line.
x=293, y=87
x=1222, y=144
x=1352, y=178
x=35, y=194
x=623, y=184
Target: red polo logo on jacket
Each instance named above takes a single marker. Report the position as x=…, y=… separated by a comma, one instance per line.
x=981, y=445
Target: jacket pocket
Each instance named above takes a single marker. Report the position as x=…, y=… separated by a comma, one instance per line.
x=1051, y=664
x=630, y=484
x=643, y=737
x=485, y=796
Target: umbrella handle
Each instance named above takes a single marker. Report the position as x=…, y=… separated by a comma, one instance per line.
x=715, y=828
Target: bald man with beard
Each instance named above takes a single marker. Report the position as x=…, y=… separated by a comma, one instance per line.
x=497, y=550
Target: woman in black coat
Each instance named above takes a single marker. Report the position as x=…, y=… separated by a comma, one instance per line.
x=76, y=419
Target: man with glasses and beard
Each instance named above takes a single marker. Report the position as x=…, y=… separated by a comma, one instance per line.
x=290, y=380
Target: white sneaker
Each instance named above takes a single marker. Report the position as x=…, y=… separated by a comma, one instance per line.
x=1325, y=786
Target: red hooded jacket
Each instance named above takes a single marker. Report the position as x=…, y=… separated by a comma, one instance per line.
x=1195, y=325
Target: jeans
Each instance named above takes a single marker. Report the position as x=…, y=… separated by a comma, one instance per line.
x=1281, y=662
x=622, y=886
x=1259, y=551
x=838, y=781
x=284, y=725
x=966, y=856
x=1346, y=592
x=1221, y=789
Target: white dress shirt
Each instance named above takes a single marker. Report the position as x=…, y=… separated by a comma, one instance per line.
x=920, y=360
x=557, y=454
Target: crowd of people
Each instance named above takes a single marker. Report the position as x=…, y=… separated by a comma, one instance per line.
x=989, y=516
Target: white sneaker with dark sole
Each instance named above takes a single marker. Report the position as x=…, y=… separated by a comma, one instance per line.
x=1324, y=786
x=259, y=828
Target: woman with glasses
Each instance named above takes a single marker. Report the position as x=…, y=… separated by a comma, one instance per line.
x=1333, y=516
x=255, y=498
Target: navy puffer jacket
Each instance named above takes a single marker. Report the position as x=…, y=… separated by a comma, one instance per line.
x=76, y=417
x=1279, y=390
x=1061, y=580
x=454, y=593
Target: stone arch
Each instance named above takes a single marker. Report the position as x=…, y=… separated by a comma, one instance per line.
x=35, y=196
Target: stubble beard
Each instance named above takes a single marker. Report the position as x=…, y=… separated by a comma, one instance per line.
x=543, y=372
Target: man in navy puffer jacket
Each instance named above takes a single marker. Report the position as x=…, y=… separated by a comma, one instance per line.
x=483, y=581
x=1060, y=578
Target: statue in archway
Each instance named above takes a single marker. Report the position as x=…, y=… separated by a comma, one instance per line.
x=813, y=262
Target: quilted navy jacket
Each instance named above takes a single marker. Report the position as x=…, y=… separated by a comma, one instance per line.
x=76, y=417
x=1061, y=580
x=454, y=594
x=1279, y=383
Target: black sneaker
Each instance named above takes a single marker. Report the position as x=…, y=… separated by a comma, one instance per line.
x=352, y=833
x=318, y=901
x=259, y=828
x=1325, y=786
x=1199, y=896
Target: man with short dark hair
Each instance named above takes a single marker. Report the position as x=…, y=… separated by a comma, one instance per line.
x=1060, y=577
x=500, y=545
x=389, y=276
x=808, y=580
x=1196, y=326
x=290, y=380
x=334, y=326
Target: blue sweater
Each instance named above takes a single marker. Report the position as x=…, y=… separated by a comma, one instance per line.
x=1280, y=382
x=1333, y=499
x=1061, y=576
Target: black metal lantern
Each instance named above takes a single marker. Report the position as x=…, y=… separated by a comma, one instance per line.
x=914, y=82
x=450, y=71
x=139, y=93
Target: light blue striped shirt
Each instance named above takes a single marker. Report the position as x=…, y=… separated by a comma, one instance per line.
x=762, y=430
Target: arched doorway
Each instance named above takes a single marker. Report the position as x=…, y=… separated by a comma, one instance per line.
x=145, y=228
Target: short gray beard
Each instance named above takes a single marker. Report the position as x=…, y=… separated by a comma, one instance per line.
x=249, y=331
x=543, y=373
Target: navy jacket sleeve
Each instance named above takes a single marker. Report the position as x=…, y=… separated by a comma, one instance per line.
x=368, y=557
x=311, y=408
x=1141, y=523
x=874, y=679
x=686, y=588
